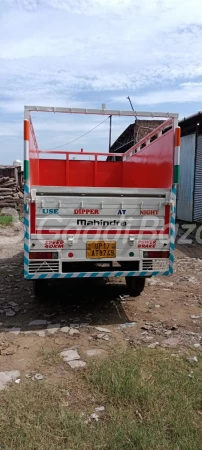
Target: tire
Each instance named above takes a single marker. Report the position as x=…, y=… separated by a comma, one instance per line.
x=135, y=285
x=40, y=288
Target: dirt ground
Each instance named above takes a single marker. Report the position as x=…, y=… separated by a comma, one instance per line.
x=168, y=314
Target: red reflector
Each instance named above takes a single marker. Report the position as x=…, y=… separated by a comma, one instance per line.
x=70, y=255
x=153, y=255
x=40, y=255
x=33, y=217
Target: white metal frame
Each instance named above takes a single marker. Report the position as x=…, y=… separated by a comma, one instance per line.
x=102, y=112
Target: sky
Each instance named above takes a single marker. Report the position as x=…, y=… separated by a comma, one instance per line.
x=82, y=53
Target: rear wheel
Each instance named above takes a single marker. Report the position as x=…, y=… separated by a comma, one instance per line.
x=40, y=288
x=135, y=285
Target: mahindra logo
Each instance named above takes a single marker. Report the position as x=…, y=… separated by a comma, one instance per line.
x=86, y=211
x=102, y=223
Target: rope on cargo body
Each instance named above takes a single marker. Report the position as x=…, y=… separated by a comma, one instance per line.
x=67, y=143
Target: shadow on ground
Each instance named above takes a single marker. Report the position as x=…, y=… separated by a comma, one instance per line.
x=192, y=250
x=93, y=301
x=189, y=240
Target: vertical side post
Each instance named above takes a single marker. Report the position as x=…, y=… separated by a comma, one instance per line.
x=67, y=169
x=110, y=132
x=26, y=194
x=177, y=156
x=172, y=229
x=26, y=147
x=176, y=179
x=95, y=170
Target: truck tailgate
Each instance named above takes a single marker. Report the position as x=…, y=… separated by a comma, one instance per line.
x=103, y=215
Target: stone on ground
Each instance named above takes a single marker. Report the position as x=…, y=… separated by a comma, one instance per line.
x=103, y=330
x=10, y=313
x=153, y=345
x=52, y=329
x=76, y=364
x=70, y=355
x=40, y=333
x=172, y=342
x=8, y=377
x=96, y=352
x=38, y=322
x=14, y=330
x=103, y=336
x=72, y=358
x=65, y=329
x=73, y=332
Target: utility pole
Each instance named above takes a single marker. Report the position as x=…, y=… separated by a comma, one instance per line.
x=135, y=132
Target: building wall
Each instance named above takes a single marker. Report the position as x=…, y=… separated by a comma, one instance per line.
x=12, y=172
x=133, y=133
x=7, y=171
x=144, y=127
x=186, y=186
x=198, y=182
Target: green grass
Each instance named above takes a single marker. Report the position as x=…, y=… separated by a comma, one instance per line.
x=150, y=404
x=49, y=356
x=5, y=220
x=159, y=388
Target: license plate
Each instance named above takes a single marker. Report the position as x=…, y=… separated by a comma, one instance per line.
x=100, y=249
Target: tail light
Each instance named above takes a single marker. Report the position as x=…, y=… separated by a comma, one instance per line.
x=33, y=217
x=43, y=255
x=153, y=255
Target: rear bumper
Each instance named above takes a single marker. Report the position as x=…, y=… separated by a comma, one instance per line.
x=97, y=274
x=93, y=275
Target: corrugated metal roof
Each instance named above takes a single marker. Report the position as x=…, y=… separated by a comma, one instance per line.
x=191, y=123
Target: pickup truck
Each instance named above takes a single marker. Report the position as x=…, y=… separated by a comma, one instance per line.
x=94, y=217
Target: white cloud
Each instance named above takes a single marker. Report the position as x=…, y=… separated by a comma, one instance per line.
x=192, y=84
x=72, y=53
x=184, y=93
x=79, y=6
